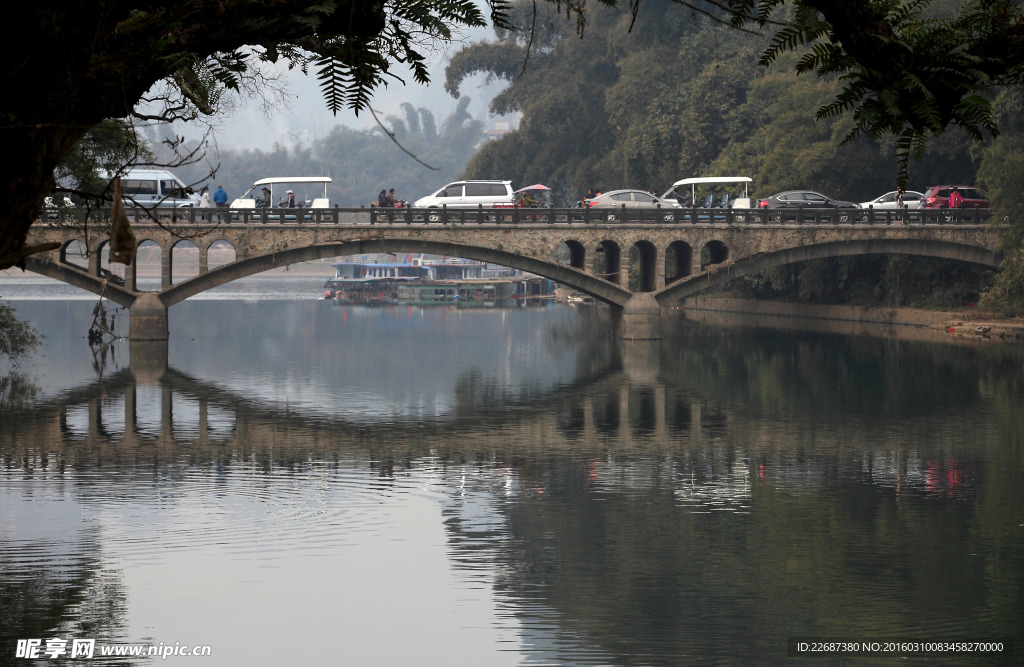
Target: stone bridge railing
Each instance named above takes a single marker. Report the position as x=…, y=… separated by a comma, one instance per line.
x=637, y=259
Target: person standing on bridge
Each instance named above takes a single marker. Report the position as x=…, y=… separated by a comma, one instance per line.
x=204, y=199
x=220, y=197
x=956, y=200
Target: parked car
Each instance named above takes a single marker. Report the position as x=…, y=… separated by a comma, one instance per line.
x=937, y=196
x=470, y=194
x=631, y=198
x=156, y=187
x=911, y=199
x=795, y=198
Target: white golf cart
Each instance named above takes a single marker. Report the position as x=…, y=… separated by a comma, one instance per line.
x=726, y=201
x=320, y=202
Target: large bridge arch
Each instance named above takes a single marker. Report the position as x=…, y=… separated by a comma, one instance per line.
x=67, y=273
x=577, y=279
x=718, y=275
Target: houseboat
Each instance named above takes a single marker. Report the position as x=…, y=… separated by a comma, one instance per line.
x=371, y=283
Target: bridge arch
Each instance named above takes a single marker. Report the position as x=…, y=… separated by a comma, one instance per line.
x=176, y=259
x=77, y=249
x=577, y=254
x=717, y=275
x=68, y=273
x=713, y=252
x=608, y=261
x=599, y=289
x=678, y=261
x=646, y=270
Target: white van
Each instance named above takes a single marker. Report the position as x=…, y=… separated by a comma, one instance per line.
x=470, y=194
x=156, y=187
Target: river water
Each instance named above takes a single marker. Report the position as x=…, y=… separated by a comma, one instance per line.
x=311, y=484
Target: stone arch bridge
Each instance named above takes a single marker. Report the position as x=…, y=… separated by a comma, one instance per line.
x=678, y=252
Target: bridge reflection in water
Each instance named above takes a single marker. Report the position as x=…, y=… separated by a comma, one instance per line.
x=701, y=500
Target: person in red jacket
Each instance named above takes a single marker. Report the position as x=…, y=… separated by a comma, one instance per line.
x=956, y=200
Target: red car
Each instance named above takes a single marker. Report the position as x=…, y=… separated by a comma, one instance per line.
x=937, y=196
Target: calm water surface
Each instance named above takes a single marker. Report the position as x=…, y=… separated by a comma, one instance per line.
x=310, y=484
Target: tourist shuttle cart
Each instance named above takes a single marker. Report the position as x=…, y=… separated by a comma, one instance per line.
x=250, y=202
x=694, y=183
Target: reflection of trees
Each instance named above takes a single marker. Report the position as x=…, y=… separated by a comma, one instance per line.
x=629, y=575
x=16, y=395
x=788, y=374
x=59, y=588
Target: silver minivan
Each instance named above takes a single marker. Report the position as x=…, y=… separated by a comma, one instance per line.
x=156, y=187
x=470, y=194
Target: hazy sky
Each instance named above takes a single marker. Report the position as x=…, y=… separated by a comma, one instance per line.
x=307, y=117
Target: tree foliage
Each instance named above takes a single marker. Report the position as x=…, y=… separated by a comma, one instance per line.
x=1002, y=172
x=677, y=98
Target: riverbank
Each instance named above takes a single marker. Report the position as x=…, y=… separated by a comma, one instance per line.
x=967, y=322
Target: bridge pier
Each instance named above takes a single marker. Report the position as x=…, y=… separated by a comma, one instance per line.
x=130, y=273
x=148, y=318
x=165, y=267
x=641, y=318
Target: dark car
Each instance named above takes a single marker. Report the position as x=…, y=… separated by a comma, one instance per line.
x=937, y=196
x=795, y=198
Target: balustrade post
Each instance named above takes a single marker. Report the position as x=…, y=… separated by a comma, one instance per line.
x=479, y=214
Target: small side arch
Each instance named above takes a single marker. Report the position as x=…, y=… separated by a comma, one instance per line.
x=608, y=261
x=713, y=252
x=577, y=254
x=678, y=261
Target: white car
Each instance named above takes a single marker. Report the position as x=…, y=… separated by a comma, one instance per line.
x=155, y=187
x=470, y=194
x=911, y=199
